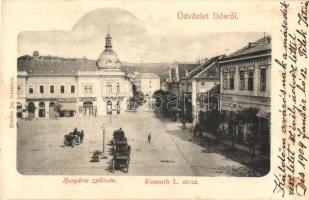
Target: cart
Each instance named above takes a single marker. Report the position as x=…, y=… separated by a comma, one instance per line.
x=119, y=137
x=121, y=156
x=121, y=162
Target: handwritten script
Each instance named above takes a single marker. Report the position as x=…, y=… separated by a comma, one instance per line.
x=292, y=154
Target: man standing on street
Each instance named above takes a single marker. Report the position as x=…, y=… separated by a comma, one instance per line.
x=149, y=138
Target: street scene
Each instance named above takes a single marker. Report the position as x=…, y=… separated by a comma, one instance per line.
x=171, y=150
x=153, y=112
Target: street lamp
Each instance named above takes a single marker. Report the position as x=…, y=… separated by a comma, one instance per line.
x=103, y=147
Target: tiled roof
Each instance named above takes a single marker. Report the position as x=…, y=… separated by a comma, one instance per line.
x=52, y=66
x=263, y=44
x=211, y=72
x=182, y=68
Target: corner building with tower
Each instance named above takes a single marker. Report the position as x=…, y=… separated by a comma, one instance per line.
x=54, y=87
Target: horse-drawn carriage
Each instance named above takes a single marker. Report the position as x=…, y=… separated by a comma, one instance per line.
x=73, y=138
x=121, y=151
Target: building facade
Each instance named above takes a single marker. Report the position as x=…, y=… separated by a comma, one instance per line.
x=147, y=83
x=245, y=83
x=72, y=87
x=205, y=88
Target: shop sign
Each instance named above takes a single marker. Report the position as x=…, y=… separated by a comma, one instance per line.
x=85, y=99
x=42, y=99
x=60, y=100
x=67, y=100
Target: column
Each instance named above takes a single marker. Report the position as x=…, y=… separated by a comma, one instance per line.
x=256, y=85
x=47, y=109
x=36, y=112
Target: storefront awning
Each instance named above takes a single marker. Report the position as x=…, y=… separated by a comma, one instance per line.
x=68, y=106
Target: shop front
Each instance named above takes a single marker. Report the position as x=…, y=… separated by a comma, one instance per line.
x=88, y=107
x=67, y=107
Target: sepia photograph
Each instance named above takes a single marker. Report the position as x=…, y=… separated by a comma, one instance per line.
x=141, y=99
x=112, y=98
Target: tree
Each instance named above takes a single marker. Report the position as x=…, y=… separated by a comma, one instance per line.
x=212, y=121
x=58, y=109
x=31, y=109
x=248, y=116
x=134, y=90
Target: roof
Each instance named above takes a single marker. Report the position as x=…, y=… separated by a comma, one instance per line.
x=253, y=48
x=209, y=69
x=55, y=66
x=147, y=76
x=182, y=68
x=211, y=72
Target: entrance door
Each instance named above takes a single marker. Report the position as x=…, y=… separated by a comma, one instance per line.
x=31, y=109
x=41, y=109
x=109, y=107
x=88, y=109
x=52, y=111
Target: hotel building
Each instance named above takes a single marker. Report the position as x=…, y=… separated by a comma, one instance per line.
x=52, y=86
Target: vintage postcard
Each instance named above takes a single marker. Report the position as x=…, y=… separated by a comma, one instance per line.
x=154, y=100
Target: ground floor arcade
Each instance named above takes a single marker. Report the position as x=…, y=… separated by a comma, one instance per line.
x=70, y=107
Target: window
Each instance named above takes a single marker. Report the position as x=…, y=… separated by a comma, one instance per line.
x=62, y=88
x=52, y=89
x=87, y=89
x=118, y=88
x=250, y=80
x=31, y=89
x=18, y=89
x=41, y=89
x=72, y=88
x=232, y=80
x=225, y=80
x=263, y=79
x=109, y=87
x=241, y=80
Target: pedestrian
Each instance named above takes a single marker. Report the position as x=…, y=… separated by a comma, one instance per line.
x=149, y=138
x=81, y=136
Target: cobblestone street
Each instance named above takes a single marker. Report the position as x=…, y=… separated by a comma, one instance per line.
x=171, y=151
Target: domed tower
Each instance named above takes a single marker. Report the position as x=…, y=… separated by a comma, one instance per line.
x=108, y=59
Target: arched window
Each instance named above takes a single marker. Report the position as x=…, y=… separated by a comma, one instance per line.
x=118, y=88
x=109, y=87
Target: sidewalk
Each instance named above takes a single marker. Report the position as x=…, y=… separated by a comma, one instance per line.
x=241, y=154
x=229, y=143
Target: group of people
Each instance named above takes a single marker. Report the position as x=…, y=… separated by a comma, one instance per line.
x=73, y=138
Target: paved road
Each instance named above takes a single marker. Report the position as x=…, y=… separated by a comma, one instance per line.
x=40, y=149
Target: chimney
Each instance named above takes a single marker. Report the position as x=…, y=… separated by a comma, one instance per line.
x=176, y=72
x=170, y=74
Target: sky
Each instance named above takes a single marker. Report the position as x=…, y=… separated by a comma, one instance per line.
x=133, y=39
